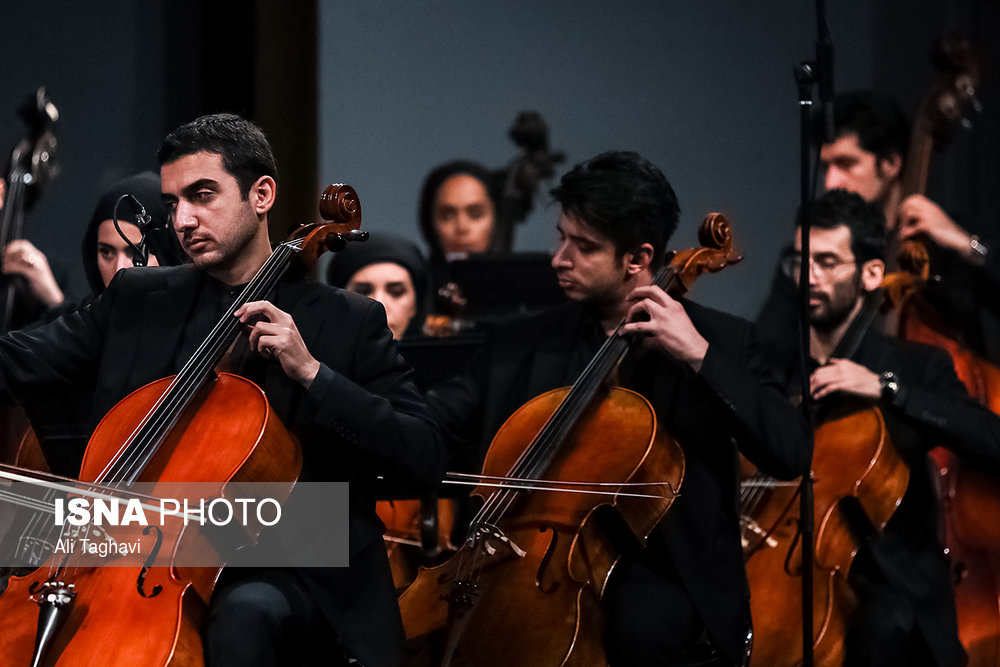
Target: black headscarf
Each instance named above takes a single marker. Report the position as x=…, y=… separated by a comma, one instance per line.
x=380, y=248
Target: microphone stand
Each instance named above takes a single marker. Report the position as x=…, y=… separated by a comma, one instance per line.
x=807, y=75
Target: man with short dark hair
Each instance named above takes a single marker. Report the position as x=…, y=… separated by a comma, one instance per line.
x=906, y=611
x=686, y=590
x=866, y=155
x=324, y=358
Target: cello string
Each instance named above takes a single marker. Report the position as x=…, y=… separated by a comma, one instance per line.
x=540, y=454
x=548, y=487
x=556, y=428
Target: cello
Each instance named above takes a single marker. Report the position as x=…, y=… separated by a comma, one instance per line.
x=537, y=558
x=170, y=422
x=859, y=481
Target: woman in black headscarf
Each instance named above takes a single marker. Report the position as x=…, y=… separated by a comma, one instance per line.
x=105, y=251
x=390, y=270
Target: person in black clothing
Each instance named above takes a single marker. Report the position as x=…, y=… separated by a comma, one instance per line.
x=906, y=610
x=324, y=358
x=699, y=369
x=390, y=270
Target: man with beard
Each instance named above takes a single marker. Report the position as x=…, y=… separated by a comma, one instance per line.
x=906, y=611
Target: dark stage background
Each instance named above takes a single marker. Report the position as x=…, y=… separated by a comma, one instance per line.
x=376, y=93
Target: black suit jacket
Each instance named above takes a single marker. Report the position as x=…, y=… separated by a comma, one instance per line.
x=933, y=409
x=730, y=404
x=362, y=415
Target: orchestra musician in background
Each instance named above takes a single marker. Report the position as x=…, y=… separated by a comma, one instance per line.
x=683, y=595
x=901, y=575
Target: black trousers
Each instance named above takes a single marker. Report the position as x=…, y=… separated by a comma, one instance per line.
x=651, y=618
x=265, y=619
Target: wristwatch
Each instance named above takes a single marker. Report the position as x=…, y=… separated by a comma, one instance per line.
x=977, y=249
x=889, y=384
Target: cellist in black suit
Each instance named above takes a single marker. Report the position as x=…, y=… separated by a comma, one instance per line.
x=324, y=358
x=686, y=591
x=906, y=609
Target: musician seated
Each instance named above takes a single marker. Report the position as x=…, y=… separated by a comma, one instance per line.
x=906, y=608
x=390, y=270
x=700, y=371
x=61, y=423
x=323, y=357
x=457, y=213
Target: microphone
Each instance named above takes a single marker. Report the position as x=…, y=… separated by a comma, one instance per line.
x=140, y=252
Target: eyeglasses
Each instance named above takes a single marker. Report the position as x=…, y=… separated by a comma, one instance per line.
x=824, y=266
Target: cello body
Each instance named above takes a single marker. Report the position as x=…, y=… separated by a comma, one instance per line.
x=856, y=469
x=251, y=445
x=416, y=531
x=567, y=557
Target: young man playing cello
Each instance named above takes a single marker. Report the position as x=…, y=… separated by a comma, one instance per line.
x=906, y=608
x=324, y=358
x=698, y=368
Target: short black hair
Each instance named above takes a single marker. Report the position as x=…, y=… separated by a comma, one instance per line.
x=624, y=197
x=429, y=191
x=864, y=219
x=246, y=153
x=881, y=126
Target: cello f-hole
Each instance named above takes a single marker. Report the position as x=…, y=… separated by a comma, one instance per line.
x=140, y=581
x=543, y=566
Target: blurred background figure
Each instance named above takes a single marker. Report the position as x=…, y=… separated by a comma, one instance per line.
x=390, y=270
x=105, y=251
x=59, y=440
x=458, y=205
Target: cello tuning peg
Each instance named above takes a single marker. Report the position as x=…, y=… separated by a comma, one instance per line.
x=337, y=241
x=357, y=236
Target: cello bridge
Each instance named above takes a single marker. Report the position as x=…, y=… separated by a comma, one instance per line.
x=483, y=535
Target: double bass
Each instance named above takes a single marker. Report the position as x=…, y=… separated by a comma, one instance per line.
x=66, y=615
x=970, y=499
x=33, y=165
x=537, y=558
